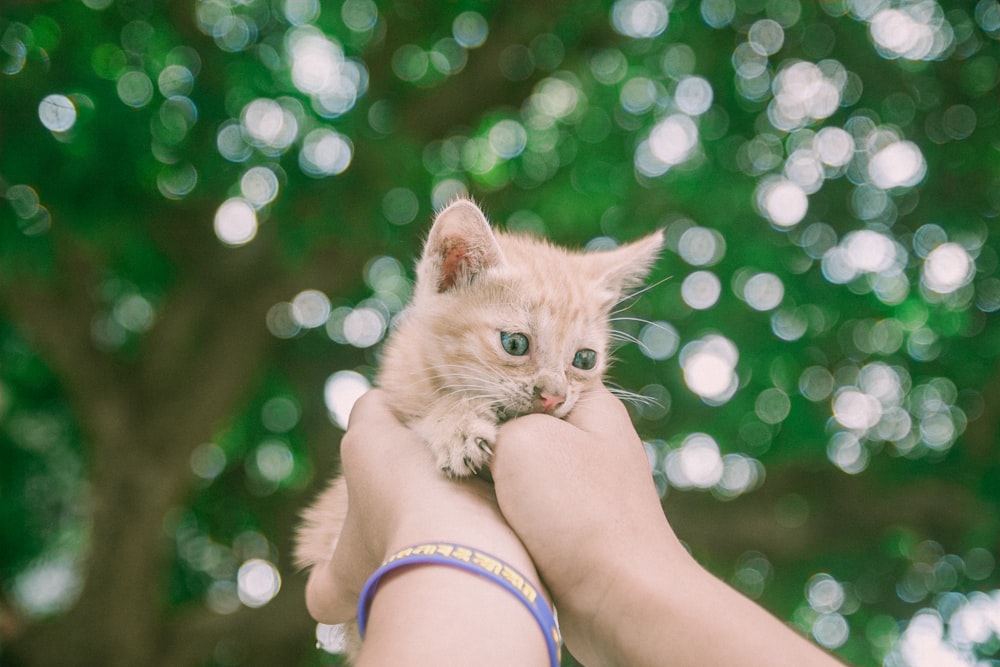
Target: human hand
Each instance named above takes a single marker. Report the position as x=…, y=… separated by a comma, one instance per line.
x=580, y=495
x=421, y=615
x=398, y=497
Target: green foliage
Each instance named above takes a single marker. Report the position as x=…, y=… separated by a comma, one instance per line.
x=210, y=207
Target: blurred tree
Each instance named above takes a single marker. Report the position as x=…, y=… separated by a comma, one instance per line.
x=210, y=209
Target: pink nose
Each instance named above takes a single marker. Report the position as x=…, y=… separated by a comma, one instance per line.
x=551, y=401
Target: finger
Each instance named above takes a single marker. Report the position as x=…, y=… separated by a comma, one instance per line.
x=376, y=437
x=534, y=445
x=327, y=601
x=599, y=412
x=370, y=406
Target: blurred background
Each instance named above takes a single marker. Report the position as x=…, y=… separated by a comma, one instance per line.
x=210, y=211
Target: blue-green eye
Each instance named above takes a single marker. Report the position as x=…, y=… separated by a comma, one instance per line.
x=516, y=344
x=585, y=359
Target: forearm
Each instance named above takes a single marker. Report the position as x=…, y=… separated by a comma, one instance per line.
x=687, y=617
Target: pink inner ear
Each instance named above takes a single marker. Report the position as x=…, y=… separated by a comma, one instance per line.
x=452, y=260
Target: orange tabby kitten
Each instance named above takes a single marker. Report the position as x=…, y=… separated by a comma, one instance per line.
x=499, y=325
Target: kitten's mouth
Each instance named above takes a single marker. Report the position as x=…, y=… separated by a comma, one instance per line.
x=507, y=412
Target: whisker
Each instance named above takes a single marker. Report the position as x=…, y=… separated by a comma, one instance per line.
x=624, y=336
x=633, y=397
x=636, y=294
x=634, y=319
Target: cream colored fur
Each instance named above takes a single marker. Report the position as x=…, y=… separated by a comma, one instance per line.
x=445, y=371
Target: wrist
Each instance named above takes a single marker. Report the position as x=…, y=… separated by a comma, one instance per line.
x=605, y=616
x=440, y=615
x=484, y=565
x=467, y=514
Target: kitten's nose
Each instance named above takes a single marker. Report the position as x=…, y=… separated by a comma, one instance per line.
x=551, y=401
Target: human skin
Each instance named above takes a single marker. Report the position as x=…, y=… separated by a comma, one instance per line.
x=579, y=494
x=425, y=614
x=573, y=498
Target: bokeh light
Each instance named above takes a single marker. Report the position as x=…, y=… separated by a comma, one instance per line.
x=899, y=164
x=269, y=126
x=508, y=139
x=659, y=340
x=917, y=31
x=709, y=367
x=358, y=15
x=400, y=206
x=258, y=581
x=177, y=181
x=48, y=586
x=640, y=19
x=782, y=201
x=766, y=37
x=805, y=92
x=236, y=222
x=341, y=391
x=772, y=406
x=693, y=95
x=700, y=246
x=135, y=88
x=697, y=463
x=824, y=593
x=57, y=113
x=175, y=80
x=701, y=289
x=259, y=186
x=671, y=142
x=231, y=143
x=763, y=291
x=470, y=29
x=32, y=216
x=311, y=309
x=321, y=70
x=325, y=152
x=208, y=461
x=273, y=461
x=947, y=268
x=331, y=638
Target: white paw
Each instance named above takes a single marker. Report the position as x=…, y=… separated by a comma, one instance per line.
x=464, y=448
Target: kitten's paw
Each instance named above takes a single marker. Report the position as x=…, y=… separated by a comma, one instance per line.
x=466, y=451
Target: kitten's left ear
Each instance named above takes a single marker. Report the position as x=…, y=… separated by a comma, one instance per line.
x=460, y=247
x=624, y=268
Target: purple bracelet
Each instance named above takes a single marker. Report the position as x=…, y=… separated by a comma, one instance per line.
x=477, y=562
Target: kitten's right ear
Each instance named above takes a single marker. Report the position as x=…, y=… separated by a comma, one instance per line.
x=460, y=247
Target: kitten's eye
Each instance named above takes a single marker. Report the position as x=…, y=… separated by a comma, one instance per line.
x=585, y=359
x=516, y=344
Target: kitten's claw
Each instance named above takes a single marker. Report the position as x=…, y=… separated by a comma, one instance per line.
x=470, y=465
x=485, y=446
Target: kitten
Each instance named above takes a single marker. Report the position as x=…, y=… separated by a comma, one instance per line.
x=499, y=325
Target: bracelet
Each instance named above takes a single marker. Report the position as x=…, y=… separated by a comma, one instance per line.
x=477, y=562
